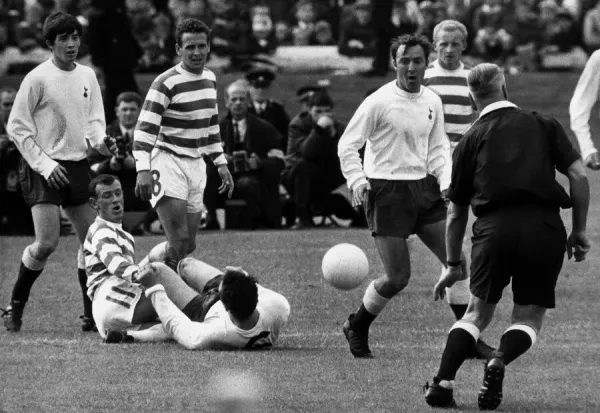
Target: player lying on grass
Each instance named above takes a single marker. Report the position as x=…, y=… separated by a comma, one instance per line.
x=233, y=310
x=247, y=315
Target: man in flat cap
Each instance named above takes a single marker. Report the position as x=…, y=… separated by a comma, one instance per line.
x=263, y=106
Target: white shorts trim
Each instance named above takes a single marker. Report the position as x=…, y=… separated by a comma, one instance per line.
x=114, y=304
x=178, y=177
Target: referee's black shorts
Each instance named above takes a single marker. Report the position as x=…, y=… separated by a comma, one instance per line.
x=525, y=243
x=401, y=208
x=37, y=191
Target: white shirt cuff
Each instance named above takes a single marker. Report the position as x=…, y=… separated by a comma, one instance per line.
x=153, y=289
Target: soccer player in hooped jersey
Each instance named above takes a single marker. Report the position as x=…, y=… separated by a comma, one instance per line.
x=58, y=107
x=177, y=125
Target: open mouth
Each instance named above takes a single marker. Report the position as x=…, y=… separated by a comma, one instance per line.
x=116, y=208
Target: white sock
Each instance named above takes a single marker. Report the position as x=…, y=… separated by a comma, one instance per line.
x=31, y=262
x=526, y=329
x=468, y=327
x=373, y=302
x=80, y=258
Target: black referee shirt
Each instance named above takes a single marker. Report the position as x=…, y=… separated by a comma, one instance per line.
x=509, y=157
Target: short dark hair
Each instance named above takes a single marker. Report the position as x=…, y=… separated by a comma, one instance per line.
x=129, y=97
x=409, y=40
x=239, y=293
x=102, y=179
x=191, y=26
x=60, y=23
x=320, y=98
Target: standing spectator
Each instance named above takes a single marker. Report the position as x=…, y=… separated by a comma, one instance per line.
x=357, y=33
x=582, y=103
x=492, y=41
x=254, y=148
x=122, y=163
x=406, y=166
x=177, y=126
x=7, y=100
x=505, y=168
x=114, y=50
x=591, y=29
x=262, y=105
x=57, y=110
x=312, y=168
x=263, y=33
x=231, y=33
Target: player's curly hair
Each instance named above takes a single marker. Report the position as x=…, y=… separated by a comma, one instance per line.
x=60, y=23
x=191, y=25
x=239, y=293
x=410, y=40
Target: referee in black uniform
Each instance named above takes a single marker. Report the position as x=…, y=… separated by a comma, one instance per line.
x=505, y=168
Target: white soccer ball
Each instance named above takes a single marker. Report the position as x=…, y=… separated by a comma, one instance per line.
x=345, y=266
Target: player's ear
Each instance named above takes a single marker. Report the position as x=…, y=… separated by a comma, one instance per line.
x=178, y=49
x=93, y=203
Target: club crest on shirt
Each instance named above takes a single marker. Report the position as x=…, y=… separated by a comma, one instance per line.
x=85, y=90
x=430, y=113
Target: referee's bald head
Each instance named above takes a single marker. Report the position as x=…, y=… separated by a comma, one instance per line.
x=486, y=80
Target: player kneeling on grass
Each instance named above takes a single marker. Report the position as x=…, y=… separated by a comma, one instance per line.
x=233, y=310
x=118, y=300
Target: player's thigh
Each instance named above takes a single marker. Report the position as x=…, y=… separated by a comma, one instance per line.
x=197, y=273
x=195, y=170
x=172, y=213
x=492, y=253
x=46, y=222
x=395, y=257
x=541, y=255
x=169, y=178
x=81, y=216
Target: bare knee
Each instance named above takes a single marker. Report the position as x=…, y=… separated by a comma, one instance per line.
x=44, y=248
x=392, y=284
x=185, y=264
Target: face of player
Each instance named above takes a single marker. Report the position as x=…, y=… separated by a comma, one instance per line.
x=237, y=102
x=7, y=99
x=410, y=68
x=193, y=50
x=127, y=113
x=109, y=202
x=450, y=46
x=317, y=111
x=65, y=49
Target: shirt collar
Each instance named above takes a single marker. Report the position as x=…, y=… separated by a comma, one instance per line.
x=239, y=122
x=110, y=224
x=501, y=104
x=124, y=131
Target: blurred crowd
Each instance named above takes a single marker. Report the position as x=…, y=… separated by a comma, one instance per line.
x=142, y=31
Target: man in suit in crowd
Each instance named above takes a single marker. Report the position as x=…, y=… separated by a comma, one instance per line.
x=262, y=105
x=255, y=154
x=122, y=164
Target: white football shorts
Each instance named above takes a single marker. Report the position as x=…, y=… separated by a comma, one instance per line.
x=114, y=303
x=178, y=177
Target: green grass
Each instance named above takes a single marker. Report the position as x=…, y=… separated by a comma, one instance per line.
x=50, y=366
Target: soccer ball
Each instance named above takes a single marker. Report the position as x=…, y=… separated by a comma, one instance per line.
x=345, y=266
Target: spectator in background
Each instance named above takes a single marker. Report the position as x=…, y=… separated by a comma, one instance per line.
x=254, y=150
x=560, y=34
x=591, y=29
x=323, y=34
x=122, y=164
x=26, y=55
x=312, y=168
x=231, y=33
x=283, y=34
x=357, y=33
x=196, y=9
x=492, y=41
x=155, y=35
x=263, y=34
x=262, y=105
x=304, y=94
x=306, y=15
x=114, y=49
x=433, y=13
x=7, y=99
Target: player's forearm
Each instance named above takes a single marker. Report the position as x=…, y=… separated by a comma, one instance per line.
x=456, y=224
x=580, y=196
x=176, y=324
x=584, y=98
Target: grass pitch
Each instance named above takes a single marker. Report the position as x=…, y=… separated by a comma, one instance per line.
x=50, y=366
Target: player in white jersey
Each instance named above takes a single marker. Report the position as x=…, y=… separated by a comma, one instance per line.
x=57, y=112
x=585, y=97
x=177, y=126
x=118, y=299
x=234, y=311
x=406, y=166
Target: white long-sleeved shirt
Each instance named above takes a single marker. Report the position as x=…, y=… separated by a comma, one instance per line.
x=404, y=135
x=587, y=93
x=54, y=112
x=217, y=331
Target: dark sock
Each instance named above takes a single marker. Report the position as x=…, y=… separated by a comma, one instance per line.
x=459, y=310
x=25, y=281
x=87, y=303
x=513, y=344
x=363, y=319
x=459, y=345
